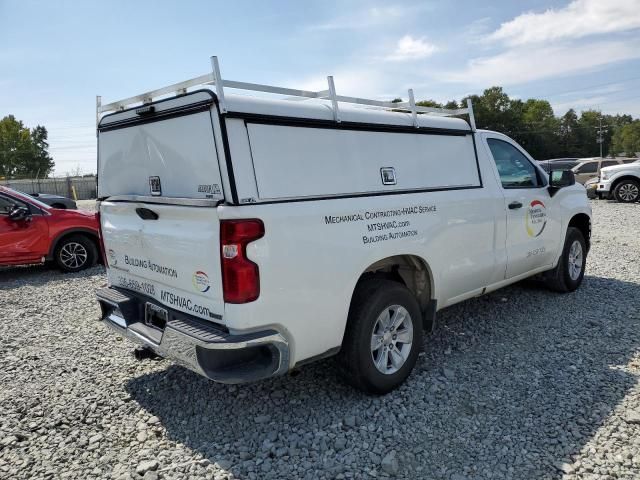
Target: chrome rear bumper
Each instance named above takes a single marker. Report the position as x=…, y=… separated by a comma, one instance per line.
x=196, y=344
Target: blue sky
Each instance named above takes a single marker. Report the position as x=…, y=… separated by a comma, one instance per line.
x=56, y=56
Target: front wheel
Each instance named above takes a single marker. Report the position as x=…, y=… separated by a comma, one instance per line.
x=627, y=191
x=75, y=253
x=568, y=274
x=383, y=336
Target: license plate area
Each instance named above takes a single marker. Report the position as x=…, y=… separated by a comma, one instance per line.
x=155, y=316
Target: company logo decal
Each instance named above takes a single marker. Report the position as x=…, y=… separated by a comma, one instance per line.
x=201, y=282
x=536, y=218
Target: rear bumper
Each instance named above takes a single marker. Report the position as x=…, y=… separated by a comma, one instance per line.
x=196, y=344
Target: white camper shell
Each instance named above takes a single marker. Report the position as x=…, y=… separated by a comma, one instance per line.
x=247, y=235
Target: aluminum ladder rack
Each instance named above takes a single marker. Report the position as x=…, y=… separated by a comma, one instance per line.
x=214, y=78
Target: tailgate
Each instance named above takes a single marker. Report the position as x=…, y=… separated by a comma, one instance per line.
x=174, y=258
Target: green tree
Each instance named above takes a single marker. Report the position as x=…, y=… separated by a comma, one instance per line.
x=540, y=132
x=626, y=139
x=23, y=152
x=429, y=103
x=494, y=110
x=588, y=124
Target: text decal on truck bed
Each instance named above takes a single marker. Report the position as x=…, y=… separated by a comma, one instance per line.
x=379, y=214
x=387, y=227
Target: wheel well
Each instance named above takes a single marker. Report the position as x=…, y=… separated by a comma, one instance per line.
x=625, y=177
x=91, y=236
x=582, y=222
x=409, y=270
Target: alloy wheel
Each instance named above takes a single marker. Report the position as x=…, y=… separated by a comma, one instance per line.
x=628, y=192
x=575, y=260
x=73, y=255
x=391, y=339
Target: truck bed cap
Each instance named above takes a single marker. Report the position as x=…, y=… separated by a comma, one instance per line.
x=317, y=109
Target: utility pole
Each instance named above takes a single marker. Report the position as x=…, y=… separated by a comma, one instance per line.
x=601, y=130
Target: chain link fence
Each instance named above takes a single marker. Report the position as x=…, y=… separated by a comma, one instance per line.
x=78, y=188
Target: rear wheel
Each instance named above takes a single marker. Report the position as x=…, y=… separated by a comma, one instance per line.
x=627, y=191
x=383, y=336
x=568, y=274
x=75, y=253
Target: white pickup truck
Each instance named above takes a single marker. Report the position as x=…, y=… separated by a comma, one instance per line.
x=621, y=182
x=246, y=236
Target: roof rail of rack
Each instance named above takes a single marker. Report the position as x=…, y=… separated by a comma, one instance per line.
x=214, y=78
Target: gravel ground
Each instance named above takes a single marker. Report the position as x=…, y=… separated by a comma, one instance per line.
x=521, y=384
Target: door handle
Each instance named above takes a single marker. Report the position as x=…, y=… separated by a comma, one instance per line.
x=515, y=205
x=146, y=214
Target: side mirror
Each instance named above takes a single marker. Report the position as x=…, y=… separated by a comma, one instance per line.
x=559, y=179
x=19, y=214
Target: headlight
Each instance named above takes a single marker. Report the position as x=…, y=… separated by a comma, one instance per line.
x=604, y=175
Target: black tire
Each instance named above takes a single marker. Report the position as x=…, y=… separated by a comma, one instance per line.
x=562, y=279
x=86, y=253
x=356, y=357
x=627, y=191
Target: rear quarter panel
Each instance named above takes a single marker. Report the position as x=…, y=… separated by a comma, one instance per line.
x=309, y=265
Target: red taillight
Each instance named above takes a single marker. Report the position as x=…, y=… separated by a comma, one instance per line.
x=240, y=276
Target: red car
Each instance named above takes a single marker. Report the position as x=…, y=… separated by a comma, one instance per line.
x=33, y=232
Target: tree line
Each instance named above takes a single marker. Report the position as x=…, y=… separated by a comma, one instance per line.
x=533, y=125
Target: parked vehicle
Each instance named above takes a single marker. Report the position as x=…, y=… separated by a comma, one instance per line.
x=558, y=164
x=33, y=232
x=55, y=201
x=588, y=169
x=621, y=182
x=591, y=185
x=246, y=236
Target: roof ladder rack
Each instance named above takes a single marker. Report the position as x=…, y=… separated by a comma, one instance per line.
x=214, y=78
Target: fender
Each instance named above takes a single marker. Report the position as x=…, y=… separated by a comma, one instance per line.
x=625, y=172
x=429, y=311
x=569, y=202
x=91, y=233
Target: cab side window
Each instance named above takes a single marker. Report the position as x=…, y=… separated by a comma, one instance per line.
x=515, y=170
x=589, y=167
x=6, y=205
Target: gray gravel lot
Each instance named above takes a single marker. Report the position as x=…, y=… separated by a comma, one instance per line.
x=522, y=383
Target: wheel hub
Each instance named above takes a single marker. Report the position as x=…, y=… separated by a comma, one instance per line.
x=628, y=192
x=575, y=260
x=391, y=339
x=73, y=255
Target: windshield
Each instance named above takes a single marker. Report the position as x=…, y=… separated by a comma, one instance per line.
x=34, y=200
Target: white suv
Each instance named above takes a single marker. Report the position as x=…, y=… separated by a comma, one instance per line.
x=621, y=182
x=247, y=236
